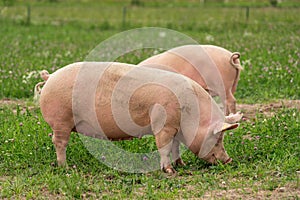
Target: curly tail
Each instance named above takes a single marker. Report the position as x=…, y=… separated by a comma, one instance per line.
x=44, y=75
x=235, y=62
x=38, y=87
x=37, y=91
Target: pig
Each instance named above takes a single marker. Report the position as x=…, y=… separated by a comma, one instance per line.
x=216, y=69
x=119, y=101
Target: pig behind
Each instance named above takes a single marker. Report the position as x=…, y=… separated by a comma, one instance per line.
x=216, y=69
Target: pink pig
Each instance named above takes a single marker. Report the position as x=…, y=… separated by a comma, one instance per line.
x=216, y=69
x=119, y=101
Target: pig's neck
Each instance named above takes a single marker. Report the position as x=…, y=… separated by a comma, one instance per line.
x=196, y=144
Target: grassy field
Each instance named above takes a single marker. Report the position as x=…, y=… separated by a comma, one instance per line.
x=265, y=150
x=268, y=41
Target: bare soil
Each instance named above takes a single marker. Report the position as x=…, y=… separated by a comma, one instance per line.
x=268, y=109
x=7, y=101
x=23, y=105
x=286, y=192
x=249, y=110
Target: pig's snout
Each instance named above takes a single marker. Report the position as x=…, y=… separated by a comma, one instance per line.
x=223, y=157
x=218, y=153
x=213, y=158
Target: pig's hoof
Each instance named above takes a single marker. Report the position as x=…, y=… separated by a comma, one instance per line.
x=169, y=170
x=179, y=162
x=62, y=164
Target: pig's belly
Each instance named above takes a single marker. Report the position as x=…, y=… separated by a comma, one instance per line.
x=107, y=128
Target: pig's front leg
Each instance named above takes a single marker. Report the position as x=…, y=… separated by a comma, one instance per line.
x=176, y=153
x=164, y=141
x=165, y=163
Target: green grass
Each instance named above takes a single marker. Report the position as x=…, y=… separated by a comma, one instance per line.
x=268, y=41
x=266, y=156
x=265, y=151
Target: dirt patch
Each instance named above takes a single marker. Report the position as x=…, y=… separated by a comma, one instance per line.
x=4, y=178
x=268, y=109
x=8, y=102
x=286, y=192
x=249, y=110
x=22, y=104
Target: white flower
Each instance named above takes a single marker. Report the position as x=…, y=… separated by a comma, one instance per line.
x=209, y=38
x=246, y=34
x=162, y=34
x=246, y=62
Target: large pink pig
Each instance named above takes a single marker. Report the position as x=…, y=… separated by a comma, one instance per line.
x=216, y=69
x=119, y=101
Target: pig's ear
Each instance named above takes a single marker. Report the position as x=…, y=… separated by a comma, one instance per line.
x=223, y=126
x=227, y=126
x=233, y=118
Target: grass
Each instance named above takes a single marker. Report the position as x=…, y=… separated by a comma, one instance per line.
x=265, y=151
x=265, y=154
x=268, y=41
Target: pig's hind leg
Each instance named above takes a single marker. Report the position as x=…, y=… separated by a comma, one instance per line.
x=230, y=103
x=60, y=140
x=164, y=141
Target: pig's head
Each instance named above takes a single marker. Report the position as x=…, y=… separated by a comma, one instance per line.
x=218, y=152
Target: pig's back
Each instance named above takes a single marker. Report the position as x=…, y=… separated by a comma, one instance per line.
x=68, y=98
